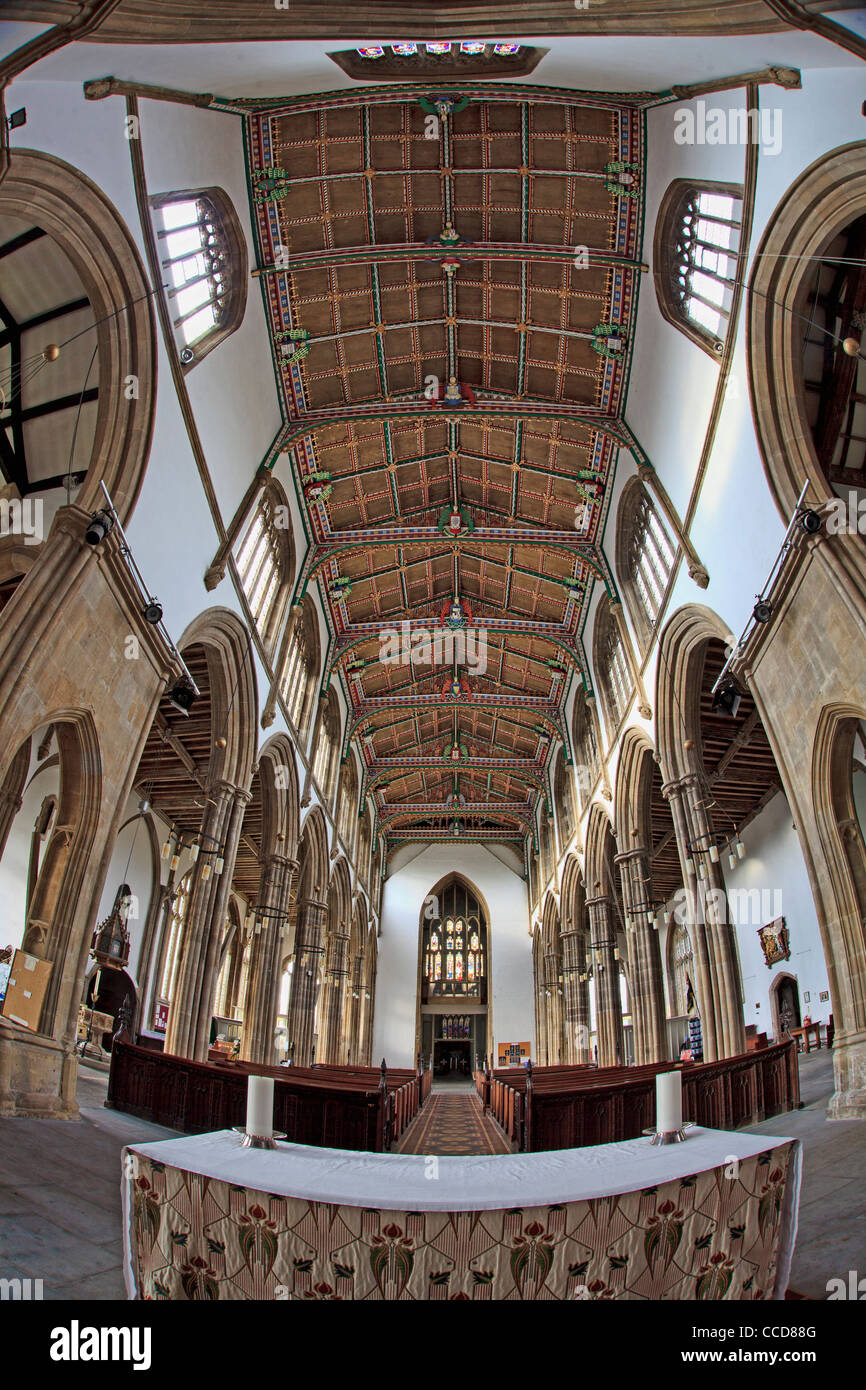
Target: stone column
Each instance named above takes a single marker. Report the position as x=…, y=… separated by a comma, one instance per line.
x=263, y=987
x=647, y=984
x=353, y=1027
x=305, y=988
x=553, y=1000
x=643, y=703
x=191, y=1010
x=605, y=966
x=702, y=947
x=540, y=1013
x=721, y=931
x=575, y=997
x=335, y=997
x=367, y=1040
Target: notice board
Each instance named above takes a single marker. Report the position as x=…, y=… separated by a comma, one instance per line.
x=25, y=991
x=512, y=1054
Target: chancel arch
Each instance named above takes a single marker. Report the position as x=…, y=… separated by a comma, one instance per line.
x=454, y=975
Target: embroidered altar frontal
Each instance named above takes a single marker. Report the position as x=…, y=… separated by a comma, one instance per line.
x=710, y=1235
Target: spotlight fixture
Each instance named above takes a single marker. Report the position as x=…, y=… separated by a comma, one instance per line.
x=186, y=356
x=17, y=118
x=101, y=525
x=810, y=522
x=762, y=611
x=181, y=696
x=727, y=699
x=152, y=611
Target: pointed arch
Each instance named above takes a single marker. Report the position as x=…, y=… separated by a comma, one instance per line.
x=234, y=696
x=678, y=685
x=279, y=774
x=313, y=858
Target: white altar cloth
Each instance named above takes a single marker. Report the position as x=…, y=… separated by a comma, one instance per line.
x=409, y=1182
x=482, y=1182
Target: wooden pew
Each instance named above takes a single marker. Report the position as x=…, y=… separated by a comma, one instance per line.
x=569, y=1107
x=332, y=1107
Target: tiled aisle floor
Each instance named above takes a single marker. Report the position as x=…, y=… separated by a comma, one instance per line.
x=452, y=1123
x=60, y=1190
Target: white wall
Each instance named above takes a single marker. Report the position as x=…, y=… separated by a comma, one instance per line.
x=774, y=864
x=509, y=946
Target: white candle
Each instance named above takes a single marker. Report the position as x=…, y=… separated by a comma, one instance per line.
x=669, y=1101
x=260, y=1106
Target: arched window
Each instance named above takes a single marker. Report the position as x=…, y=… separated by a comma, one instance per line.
x=586, y=756
x=301, y=672
x=266, y=563
x=365, y=834
x=376, y=880
x=327, y=750
x=695, y=258
x=204, y=261
x=454, y=948
x=680, y=969
x=548, y=846
x=347, y=807
x=611, y=667
x=645, y=558
x=171, y=960
x=563, y=793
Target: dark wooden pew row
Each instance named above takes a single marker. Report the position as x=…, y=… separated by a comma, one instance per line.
x=330, y=1107
x=569, y=1107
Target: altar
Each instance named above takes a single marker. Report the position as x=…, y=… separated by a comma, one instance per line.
x=714, y=1217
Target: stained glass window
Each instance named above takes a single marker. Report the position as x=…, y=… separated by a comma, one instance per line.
x=453, y=947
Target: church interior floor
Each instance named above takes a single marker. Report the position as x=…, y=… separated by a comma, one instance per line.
x=60, y=1218
x=453, y=1124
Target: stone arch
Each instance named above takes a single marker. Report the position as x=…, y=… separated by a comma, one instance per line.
x=678, y=685
x=76, y=214
x=839, y=883
x=279, y=774
x=826, y=197
x=234, y=698
x=313, y=857
x=634, y=833
x=57, y=927
x=784, y=977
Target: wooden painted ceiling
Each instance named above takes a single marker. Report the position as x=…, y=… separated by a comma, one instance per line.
x=446, y=273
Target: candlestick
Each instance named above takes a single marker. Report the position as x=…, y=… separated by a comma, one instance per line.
x=260, y=1106
x=669, y=1108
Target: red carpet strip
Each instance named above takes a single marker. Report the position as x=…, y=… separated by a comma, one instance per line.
x=453, y=1125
